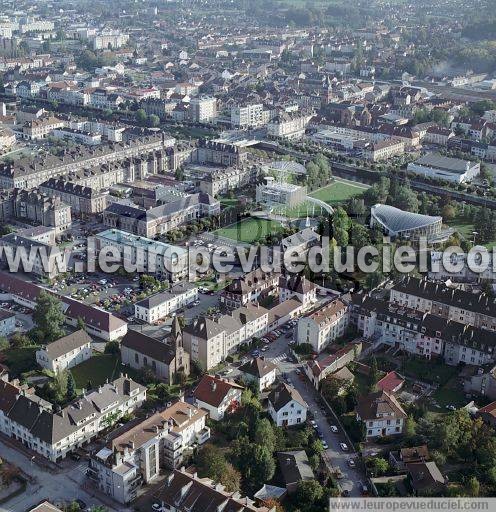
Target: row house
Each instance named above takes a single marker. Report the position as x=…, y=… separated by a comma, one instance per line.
x=438, y=299
x=423, y=334
x=54, y=433
x=161, y=305
x=82, y=199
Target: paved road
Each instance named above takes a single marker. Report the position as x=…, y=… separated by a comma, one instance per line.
x=64, y=486
x=338, y=459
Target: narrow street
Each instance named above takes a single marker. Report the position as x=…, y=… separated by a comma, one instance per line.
x=336, y=457
x=63, y=486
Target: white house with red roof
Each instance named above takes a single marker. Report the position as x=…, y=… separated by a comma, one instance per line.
x=217, y=396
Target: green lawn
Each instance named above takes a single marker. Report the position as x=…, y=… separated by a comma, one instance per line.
x=449, y=394
x=338, y=192
x=334, y=194
x=98, y=369
x=466, y=229
x=428, y=371
x=250, y=230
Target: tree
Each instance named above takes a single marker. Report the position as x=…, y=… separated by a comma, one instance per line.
x=153, y=120
x=49, y=317
x=448, y=212
x=71, y=386
x=112, y=347
x=231, y=478
x=373, y=374
x=211, y=462
x=359, y=236
x=19, y=340
x=81, y=324
x=473, y=487
x=141, y=116
x=309, y=494
x=264, y=434
x=379, y=465
x=4, y=343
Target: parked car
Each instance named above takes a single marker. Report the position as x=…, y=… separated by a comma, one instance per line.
x=344, y=447
x=351, y=463
x=334, y=429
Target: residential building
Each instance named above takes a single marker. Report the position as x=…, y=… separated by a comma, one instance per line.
x=300, y=242
x=203, y=109
x=7, y=323
x=259, y=371
x=217, y=396
x=176, y=210
x=210, y=341
x=53, y=434
x=161, y=305
x=382, y=414
x=320, y=368
x=186, y=492
x=83, y=200
x=295, y=468
x=249, y=116
x=455, y=304
x=295, y=286
x=251, y=287
x=323, y=326
x=37, y=207
x=165, y=358
x=41, y=259
x=286, y=406
x=66, y=352
x=41, y=128
x=288, y=125
x=130, y=459
x=187, y=427
x=382, y=150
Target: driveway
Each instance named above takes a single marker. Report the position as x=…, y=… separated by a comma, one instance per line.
x=334, y=456
x=58, y=487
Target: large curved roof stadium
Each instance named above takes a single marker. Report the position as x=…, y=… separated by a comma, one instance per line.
x=398, y=223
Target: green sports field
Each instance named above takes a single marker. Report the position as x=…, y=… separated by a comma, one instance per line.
x=250, y=230
x=339, y=192
x=334, y=194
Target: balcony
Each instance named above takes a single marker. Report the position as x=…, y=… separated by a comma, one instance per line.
x=203, y=436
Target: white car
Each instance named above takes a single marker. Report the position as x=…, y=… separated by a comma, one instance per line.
x=313, y=423
x=344, y=447
x=351, y=463
x=334, y=429
x=325, y=445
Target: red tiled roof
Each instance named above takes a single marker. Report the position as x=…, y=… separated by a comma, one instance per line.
x=212, y=390
x=391, y=382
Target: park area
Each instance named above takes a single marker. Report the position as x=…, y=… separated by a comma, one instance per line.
x=250, y=230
